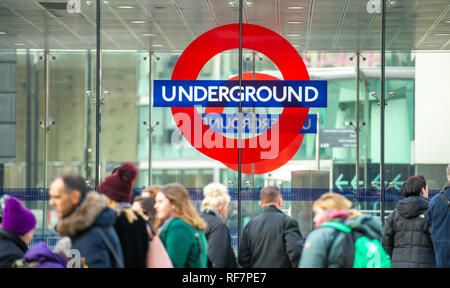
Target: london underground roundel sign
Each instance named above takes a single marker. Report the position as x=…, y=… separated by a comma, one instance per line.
x=184, y=94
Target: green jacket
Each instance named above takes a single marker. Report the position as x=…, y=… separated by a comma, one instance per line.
x=182, y=245
x=317, y=244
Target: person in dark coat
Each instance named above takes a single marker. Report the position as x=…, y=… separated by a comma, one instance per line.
x=16, y=233
x=439, y=216
x=215, y=211
x=272, y=239
x=131, y=226
x=86, y=219
x=406, y=233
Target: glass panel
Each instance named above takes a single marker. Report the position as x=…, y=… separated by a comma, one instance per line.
x=142, y=42
x=40, y=147
x=328, y=52
x=416, y=117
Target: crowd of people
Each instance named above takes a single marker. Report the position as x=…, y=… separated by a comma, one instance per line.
x=162, y=228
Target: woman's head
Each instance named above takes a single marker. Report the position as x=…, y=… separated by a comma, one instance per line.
x=173, y=201
x=414, y=186
x=216, y=196
x=332, y=205
x=146, y=205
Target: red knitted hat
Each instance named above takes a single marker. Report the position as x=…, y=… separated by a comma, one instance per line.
x=119, y=185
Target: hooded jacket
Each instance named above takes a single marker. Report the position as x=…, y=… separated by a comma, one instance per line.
x=85, y=226
x=439, y=216
x=323, y=247
x=11, y=248
x=406, y=235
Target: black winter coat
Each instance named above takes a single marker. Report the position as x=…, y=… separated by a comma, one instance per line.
x=133, y=238
x=407, y=236
x=220, y=251
x=271, y=240
x=12, y=248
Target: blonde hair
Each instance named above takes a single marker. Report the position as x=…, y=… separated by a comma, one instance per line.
x=215, y=195
x=335, y=201
x=130, y=214
x=153, y=190
x=179, y=197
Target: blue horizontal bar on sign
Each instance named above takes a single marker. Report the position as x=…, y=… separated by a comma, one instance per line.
x=247, y=194
x=251, y=122
x=253, y=93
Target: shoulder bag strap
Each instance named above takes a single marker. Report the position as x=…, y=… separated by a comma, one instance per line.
x=110, y=248
x=337, y=225
x=445, y=199
x=197, y=236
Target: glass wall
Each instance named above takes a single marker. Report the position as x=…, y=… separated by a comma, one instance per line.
x=48, y=91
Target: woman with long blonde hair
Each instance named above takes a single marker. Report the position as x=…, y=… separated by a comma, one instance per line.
x=180, y=228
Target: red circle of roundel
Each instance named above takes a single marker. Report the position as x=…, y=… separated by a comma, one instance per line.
x=265, y=165
x=291, y=120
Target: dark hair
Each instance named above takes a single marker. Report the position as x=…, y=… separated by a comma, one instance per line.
x=413, y=185
x=147, y=205
x=270, y=194
x=74, y=182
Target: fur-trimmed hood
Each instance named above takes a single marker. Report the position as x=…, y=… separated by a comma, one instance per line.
x=92, y=211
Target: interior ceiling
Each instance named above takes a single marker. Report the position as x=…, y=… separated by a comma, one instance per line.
x=326, y=25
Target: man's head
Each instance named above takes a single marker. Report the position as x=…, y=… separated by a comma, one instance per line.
x=270, y=195
x=448, y=172
x=66, y=193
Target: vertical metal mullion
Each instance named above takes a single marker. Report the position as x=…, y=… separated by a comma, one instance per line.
x=28, y=142
x=357, y=126
x=97, y=96
x=150, y=129
x=36, y=125
x=239, y=126
x=45, y=152
x=253, y=132
x=88, y=115
x=382, y=108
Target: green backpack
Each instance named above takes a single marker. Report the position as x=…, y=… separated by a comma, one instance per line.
x=360, y=251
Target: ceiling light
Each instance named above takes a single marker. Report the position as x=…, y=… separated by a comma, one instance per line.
x=295, y=22
x=19, y=44
x=157, y=45
x=138, y=22
x=125, y=7
x=295, y=8
x=442, y=34
x=2, y=33
x=293, y=35
x=147, y=34
x=447, y=21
